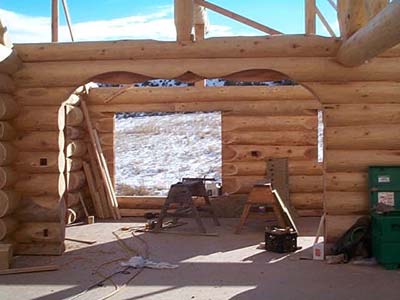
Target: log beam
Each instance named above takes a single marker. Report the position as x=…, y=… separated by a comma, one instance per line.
x=379, y=35
x=183, y=16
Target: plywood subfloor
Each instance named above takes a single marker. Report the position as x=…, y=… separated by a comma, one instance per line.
x=226, y=267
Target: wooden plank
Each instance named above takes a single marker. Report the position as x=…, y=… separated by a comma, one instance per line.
x=237, y=17
x=30, y=270
x=93, y=192
x=325, y=22
x=6, y=254
x=101, y=163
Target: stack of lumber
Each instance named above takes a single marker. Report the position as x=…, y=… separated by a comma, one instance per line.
x=97, y=172
x=9, y=198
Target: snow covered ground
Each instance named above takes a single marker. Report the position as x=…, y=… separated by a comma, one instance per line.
x=153, y=152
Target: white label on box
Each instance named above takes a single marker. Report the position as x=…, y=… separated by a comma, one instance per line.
x=386, y=198
x=384, y=179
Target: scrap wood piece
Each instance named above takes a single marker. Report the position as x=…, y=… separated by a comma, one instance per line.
x=285, y=210
x=30, y=270
x=89, y=242
x=118, y=93
x=92, y=189
x=237, y=17
x=109, y=185
x=101, y=163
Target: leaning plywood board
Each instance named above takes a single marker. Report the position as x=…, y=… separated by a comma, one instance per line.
x=285, y=210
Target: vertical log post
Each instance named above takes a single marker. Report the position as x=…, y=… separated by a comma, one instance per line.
x=183, y=20
x=310, y=16
x=54, y=21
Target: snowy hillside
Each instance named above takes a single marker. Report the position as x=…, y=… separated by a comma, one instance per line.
x=153, y=152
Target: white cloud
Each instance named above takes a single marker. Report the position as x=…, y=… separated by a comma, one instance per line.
x=158, y=25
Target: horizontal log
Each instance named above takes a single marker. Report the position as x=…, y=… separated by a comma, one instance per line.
x=8, y=107
x=346, y=182
x=300, y=69
x=266, y=108
x=40, y=96
x=356, y=92
x=41, y=184
x=7, y=132
x=39, y=141
x=309, y=212
x=359, y=160
x=260, y=168
x=273, y=138
x=285, y=45
x=8, y=177
x=147, y=95
x=9, y=201
x=103, y=125
x=45, y=162
x=361, y=114
x=33, y=118
x=259, y=123
x=363, y=137
x=73, y=132
x=306, y=200
x=44, y=232
x=41, y=209
x=260, y=152
x=40, y=248
x=297, y=184
x=75, y=181
x=8, y=153
x=7, y=226
x=336, y=226
x=76, y=148
x=69, y=115
x=9, y=60
x=7, y=85
x=346, y=203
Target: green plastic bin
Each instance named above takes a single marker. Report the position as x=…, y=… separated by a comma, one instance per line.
x=386, y=239
x=384, y=186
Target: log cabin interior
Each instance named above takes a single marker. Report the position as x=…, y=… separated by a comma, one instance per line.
x=53, y=121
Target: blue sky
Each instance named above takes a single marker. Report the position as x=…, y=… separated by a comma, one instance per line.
x=29, y=20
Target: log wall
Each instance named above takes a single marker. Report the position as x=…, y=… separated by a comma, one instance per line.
x=361, y=106
x=10, y=199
